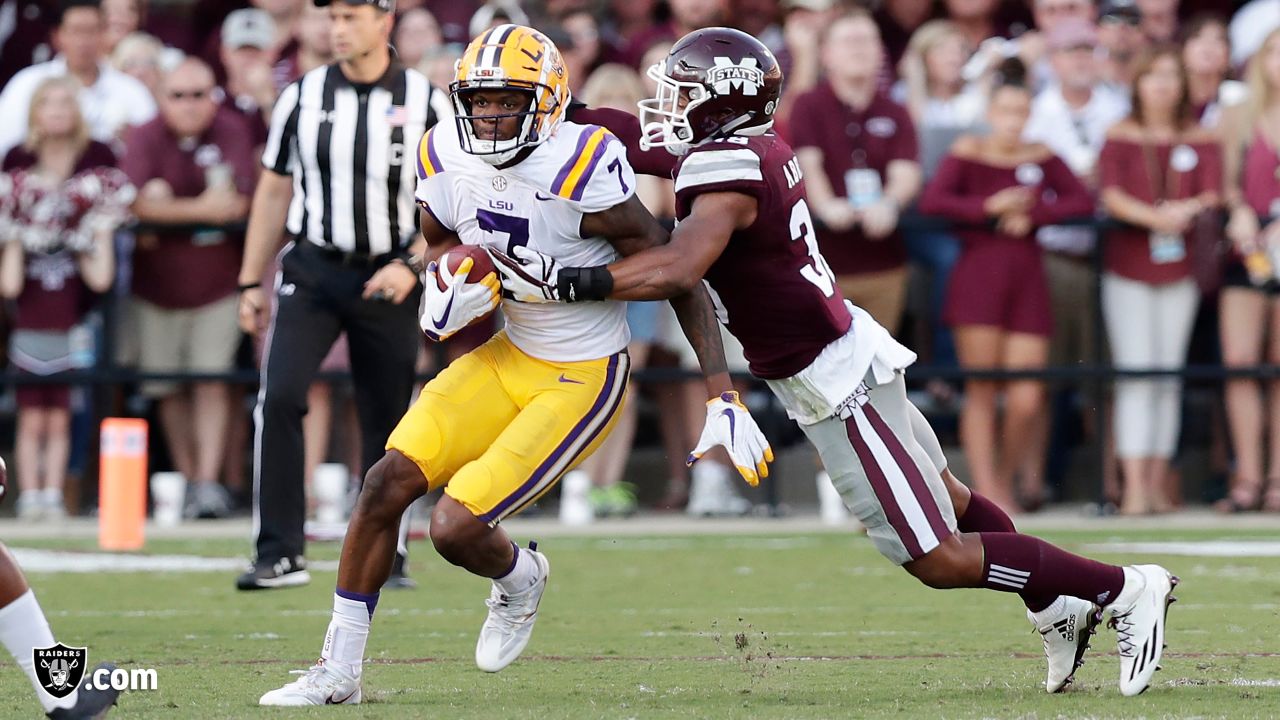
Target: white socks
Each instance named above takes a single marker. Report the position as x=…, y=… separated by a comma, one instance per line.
x=348, y=632
x=522, y=576
x=1055, y=609
x=22, y=629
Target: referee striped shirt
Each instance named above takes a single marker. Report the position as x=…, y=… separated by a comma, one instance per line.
x=350, y=150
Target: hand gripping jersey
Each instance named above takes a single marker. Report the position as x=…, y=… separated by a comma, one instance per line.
x=538, y=202
x=772, y=288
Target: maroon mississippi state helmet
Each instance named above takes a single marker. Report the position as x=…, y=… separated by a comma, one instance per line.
x=714, y=83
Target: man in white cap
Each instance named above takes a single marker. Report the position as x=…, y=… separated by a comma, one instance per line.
x=248, y=40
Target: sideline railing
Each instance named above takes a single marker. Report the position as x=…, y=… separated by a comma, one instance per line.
x=1099, y=374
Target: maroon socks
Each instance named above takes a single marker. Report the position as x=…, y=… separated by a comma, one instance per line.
x=1040, y=572
x=982, y=515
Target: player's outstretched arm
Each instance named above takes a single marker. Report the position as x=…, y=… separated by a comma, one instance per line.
x=655, y=266
x=674, y=268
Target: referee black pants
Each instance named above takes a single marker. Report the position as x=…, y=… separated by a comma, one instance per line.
x=317, y=296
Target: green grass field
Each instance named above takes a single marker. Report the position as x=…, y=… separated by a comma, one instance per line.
x=806, y=626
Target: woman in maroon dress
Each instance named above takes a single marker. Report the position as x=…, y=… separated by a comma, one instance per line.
x=63, y=202
x=998, y=190
x=1249, y=306
x=1159, y=170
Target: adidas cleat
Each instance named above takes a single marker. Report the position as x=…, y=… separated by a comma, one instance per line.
x=509, y=625
x=1138, y=617
x=1066, y=627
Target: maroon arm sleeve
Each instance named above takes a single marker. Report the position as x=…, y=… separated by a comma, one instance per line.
x=657, y=162
x=1072, y=198
x=945, y=195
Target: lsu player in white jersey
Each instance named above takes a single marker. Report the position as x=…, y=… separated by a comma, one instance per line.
x=501, y=424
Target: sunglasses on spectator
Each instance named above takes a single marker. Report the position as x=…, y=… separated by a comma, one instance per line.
x=1128, y=20
x=189, y=94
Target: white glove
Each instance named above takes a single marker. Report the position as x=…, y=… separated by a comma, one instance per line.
x=530, y=276
x=729, y=424
x=445, y=312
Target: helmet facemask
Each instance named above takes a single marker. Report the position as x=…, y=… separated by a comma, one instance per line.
x=538, y=113
x=663, y=123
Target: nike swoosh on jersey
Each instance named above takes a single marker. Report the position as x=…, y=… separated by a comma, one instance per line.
x=564, y=379
x=541, y=197
x=444, y=317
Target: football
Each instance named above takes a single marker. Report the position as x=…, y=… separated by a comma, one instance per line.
x=481, y=265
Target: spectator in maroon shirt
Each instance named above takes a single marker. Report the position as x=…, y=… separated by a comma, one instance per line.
x=55, y=254
x=248, y=35
x=193, y=165
x=1159, y=171
x=857, y=150
x=998, y=301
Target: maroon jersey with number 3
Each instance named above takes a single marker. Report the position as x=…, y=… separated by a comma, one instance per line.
x=779, y=295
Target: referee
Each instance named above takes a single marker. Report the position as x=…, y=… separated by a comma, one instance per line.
x=339, y=178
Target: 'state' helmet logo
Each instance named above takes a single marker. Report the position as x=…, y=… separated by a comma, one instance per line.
x=727, y=76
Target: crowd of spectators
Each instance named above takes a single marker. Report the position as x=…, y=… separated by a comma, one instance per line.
x=1009, y=119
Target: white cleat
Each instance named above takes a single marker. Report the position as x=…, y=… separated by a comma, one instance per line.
x=1066, y=627
x=509, y=625
x=321, y=685
x=1138, y=616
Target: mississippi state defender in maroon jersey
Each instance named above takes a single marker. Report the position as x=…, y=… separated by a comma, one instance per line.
x=745, y=228
x=774, y=291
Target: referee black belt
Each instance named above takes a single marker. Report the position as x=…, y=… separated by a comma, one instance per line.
x=347, y=258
